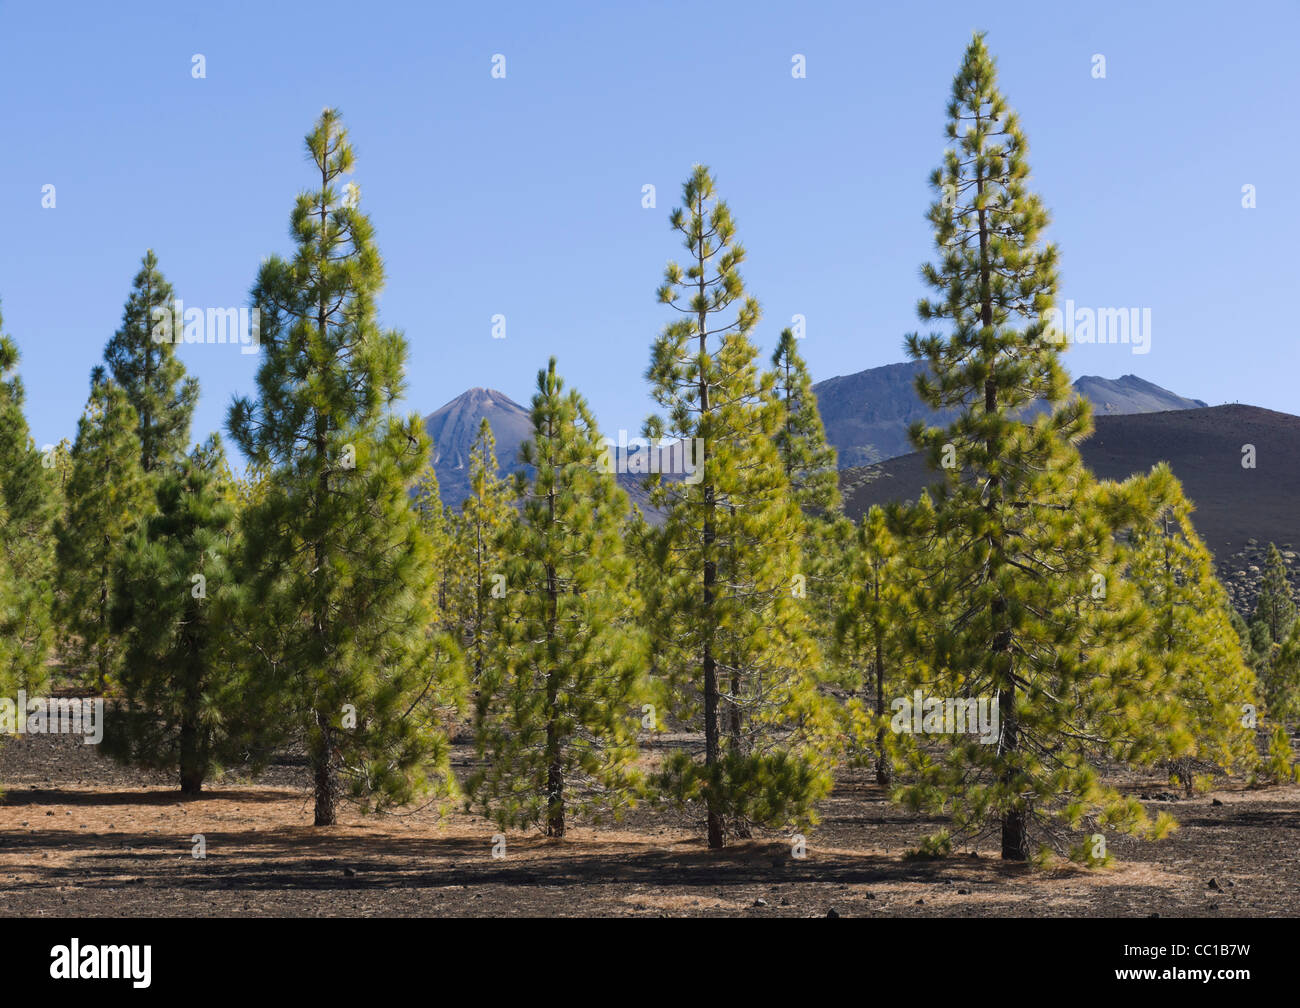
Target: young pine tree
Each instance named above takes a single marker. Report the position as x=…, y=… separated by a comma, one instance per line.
x=806, y=457
x=1028, y=536
x=148, y=371
x=1271, y=622
x=1279, y=766
x=486, y=516
x=106, y=496
x=183, y=677
x=28, y=506
x=557, y=718
x=872, y=608
x=440, y=530
x=339, y=572
x=1192, y=640
x=738, y=651
x=1275, y=609
x=438, y=524
x=810, y=470
x=1281, y=688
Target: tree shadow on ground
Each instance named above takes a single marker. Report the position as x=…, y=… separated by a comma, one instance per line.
x=19, y=797
x=305, y=858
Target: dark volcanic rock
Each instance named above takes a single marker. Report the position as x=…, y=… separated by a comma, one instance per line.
x=1239, y=511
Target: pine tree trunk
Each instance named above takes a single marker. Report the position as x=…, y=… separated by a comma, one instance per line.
x=738, y=827
x=1015, y=842
x=555, y=766
x=102, y=655
x=712, y=748
x=191, y=771
x=146, y=418
x=884, y=773
x=711, y=742
x=554, y=786
x=711, y=716
x=325, y=775
x=884, y=776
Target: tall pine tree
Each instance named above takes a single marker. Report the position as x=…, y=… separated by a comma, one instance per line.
x=1042, y=625
x=739, y=655
x=557, y=719
x=340, y=574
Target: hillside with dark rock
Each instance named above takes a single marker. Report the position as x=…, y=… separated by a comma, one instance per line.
x=1239, y=510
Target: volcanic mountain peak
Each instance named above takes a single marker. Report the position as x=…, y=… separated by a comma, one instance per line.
x=454, y=426
x=1130, y=394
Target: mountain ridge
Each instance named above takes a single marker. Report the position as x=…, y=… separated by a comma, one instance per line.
x=867, y=414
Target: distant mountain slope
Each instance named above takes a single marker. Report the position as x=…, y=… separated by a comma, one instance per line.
x=870, y=408
x=1131, y=394
x=867, y=414
x=1238, y=511
x=454, y=427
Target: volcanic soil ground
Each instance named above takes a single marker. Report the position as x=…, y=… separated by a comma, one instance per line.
x=81, y=836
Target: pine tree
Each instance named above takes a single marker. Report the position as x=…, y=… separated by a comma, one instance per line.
x=1029, y=538
x=340, y=575
x=810, y=469
x=1280, y=678
x=28, y=505
x=806, y=457
x=556, y=720
x=439, y=527
x=149, y=372
x=872, y=608
x=1191, y=638
x=106, y=495
x=1275, y=609
x=738, y=651
x=1271, y=623
x=1279, y=766
x=438, y=524
x=486, y=516
x=183, y=676
x=646, y=546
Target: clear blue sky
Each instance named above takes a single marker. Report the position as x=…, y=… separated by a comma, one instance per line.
x=522, y=196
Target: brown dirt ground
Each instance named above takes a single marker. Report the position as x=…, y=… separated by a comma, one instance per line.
x=80, y=836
